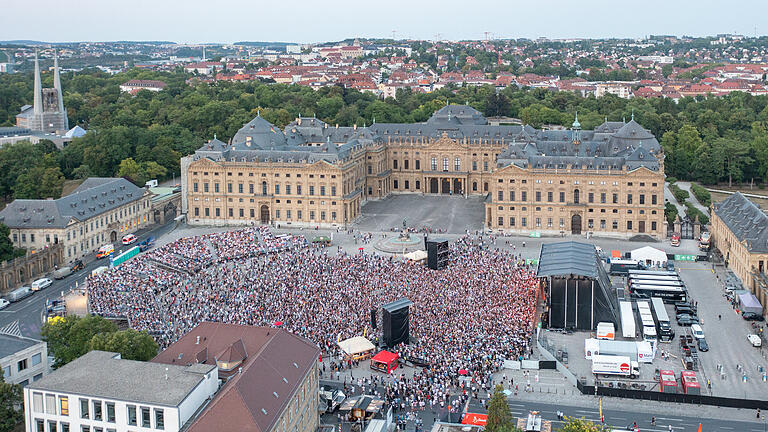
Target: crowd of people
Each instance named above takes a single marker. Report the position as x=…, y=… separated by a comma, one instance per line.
x=465, y=320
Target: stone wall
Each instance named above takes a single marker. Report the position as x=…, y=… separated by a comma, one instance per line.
x=24, y=270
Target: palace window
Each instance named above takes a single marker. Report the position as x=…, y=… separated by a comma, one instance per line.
x=445, y=164
x=457, y=164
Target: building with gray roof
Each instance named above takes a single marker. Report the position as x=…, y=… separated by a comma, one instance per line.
x=275, y=175
x=22, y=360
x=101, y=390
x=739, y=230
x=99, y=211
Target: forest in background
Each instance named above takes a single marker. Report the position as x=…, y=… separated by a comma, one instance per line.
x=708, y=140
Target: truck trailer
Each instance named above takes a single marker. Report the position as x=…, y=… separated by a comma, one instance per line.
x=615, y=365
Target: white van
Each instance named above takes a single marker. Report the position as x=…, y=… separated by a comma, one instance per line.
x=697, y=331
x=41, y=284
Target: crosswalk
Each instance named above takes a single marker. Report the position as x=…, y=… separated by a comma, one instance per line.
x=12, y=329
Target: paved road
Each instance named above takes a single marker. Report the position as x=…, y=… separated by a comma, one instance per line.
x=669, y=196
x=624, y=418
x=26, y=316
x=687, y=187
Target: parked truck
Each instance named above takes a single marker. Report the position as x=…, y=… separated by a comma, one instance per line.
x=615, y=365
x=704, y=239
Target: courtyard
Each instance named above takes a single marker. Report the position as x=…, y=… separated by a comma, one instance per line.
x=452, y=214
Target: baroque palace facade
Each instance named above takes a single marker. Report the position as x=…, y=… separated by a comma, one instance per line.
x=608, y=181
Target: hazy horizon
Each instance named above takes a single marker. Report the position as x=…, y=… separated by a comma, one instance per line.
x=194, y=21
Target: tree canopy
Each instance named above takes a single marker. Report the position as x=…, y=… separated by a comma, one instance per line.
x=70, y=337
x=11, y=404
x=142, y=136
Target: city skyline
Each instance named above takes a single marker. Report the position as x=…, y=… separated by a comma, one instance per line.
x=301, y=22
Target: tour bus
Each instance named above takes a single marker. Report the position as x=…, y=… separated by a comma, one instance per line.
x=678, y=283
x=654, y=277
x=622, y=267
x=661, y=319
x=668, y=294
x=652, y=273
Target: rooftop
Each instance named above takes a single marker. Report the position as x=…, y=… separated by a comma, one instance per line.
x=568, y=258
x=10, y=344
x=105, y=375
x=745, y=220
x=269, y=366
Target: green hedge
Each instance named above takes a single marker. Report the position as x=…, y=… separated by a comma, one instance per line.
x=692, y=212
x=680, y=195
x=670, y=212
x=671, y=180
x=701, y=194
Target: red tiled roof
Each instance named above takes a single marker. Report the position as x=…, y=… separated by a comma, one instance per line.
x=273, y=360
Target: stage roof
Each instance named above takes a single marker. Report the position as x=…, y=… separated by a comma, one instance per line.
x=397, y=304
x=568, y=258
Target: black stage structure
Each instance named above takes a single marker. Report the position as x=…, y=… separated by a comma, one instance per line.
x=579, y=293
x=395, y=322
x=438, y=253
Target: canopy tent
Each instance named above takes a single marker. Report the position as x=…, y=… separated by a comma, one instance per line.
x=649, y=256
x=356, y=347
x=474, y=419
x=417, y=255
x=385, y=361
x=321, y=239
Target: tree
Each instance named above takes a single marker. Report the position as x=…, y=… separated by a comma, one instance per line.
x=131, y=344
x=69, y=338
x=7, y=250
x=130, y=169
x=11, y=404
x=581, y=425
x=734, y=155
x=496, y=105
x=499, y=414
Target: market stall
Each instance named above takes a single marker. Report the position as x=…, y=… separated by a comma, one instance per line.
x=356, y=348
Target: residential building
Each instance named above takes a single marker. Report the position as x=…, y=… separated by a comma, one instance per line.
x=100, y=392
x=23, y=360
x=133, y=86
x=740, y=232
x=101, y=210
x=271, y=378
x=608, y=181
x=47, y=114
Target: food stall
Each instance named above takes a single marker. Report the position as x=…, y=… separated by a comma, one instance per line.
x=385, y=361
x=363, y=407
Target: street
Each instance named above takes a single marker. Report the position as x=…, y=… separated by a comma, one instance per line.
x=25, y=318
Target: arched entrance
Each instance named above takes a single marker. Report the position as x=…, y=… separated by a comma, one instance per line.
x=576, y=224
x=264, y=214
x=113, y=236
x=457, y=186
x=445, y=186
x=433, y=186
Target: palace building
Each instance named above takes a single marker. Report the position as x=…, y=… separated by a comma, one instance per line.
x=608, y=181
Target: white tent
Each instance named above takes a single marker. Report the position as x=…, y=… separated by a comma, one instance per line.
x=356, y=346
x=417, y=255
x=649, y=256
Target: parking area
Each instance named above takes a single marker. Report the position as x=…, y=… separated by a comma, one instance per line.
x=733, y=366
x=452, y=214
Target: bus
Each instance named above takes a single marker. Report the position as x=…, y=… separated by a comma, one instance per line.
x=653, y=277
x=667, y=293
x=646, y=321
x=663, y=326
x=623, y=266
x=652, y=273
x=678, y=283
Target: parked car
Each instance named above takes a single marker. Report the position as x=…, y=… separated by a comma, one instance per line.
x=77, y=265
x=41, y=284
x=684, y=310
x=703, y=345
x=147, y=244
x=686, y=314
x=754, y=340
x=129, y=239
x=4, y=303
x=751, y=316
x=686, y=320
x=697, y=331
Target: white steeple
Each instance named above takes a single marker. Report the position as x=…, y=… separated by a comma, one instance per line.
x=38, y=99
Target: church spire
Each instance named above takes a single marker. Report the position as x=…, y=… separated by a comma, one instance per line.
x=38, y=99
x=57, y=81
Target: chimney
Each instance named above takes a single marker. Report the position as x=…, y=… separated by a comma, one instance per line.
x=198, y=341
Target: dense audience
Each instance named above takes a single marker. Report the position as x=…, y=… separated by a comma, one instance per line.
x=465, y=320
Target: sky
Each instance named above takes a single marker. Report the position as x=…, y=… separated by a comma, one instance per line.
x=305, y=21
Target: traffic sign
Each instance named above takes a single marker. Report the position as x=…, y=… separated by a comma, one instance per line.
x=685, y=257
x=535, y=234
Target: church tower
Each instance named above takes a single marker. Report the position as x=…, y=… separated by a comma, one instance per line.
x=576, y=131
x=47, y=113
